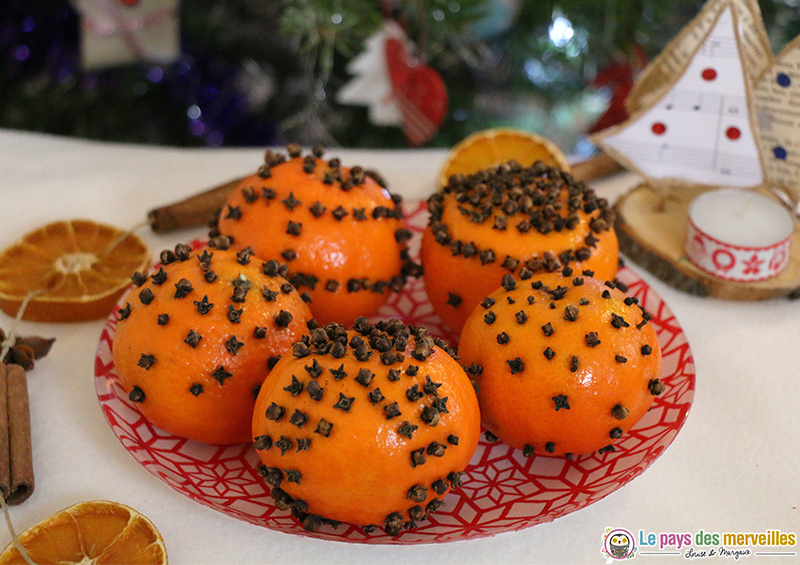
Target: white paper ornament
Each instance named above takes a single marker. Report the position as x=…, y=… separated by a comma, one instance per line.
x=777, y=100
x=371, y=86
x=700, y=130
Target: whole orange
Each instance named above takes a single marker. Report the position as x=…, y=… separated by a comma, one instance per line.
x=371, y=426
x=564, y=365
x=196, y=339
x=340, y=231
x=507, y=219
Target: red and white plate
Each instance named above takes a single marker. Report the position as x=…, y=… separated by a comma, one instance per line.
x=502, y=490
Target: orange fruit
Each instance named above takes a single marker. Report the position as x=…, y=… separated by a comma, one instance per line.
x=491, y=147
x=371, y=426
x=340, y=231
x=195, y=340
x=564, y=365
x=99, y=531
x=79, y=268
x=507, y=219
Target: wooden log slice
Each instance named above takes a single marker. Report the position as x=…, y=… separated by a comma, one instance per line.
x=652, y=233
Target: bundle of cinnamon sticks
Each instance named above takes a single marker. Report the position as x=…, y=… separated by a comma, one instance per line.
x=16, y=454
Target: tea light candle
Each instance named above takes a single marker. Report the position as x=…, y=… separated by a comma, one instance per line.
x=738, y=235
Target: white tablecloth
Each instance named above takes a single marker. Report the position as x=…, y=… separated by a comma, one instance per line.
x=733, y=467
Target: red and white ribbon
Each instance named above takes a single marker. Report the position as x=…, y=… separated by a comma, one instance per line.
x=738, y=235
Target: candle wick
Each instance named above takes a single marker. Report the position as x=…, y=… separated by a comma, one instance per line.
x=745, y=207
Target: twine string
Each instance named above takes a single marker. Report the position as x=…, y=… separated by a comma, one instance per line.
x=122, y=237
x=11, y=338
x=14, y=538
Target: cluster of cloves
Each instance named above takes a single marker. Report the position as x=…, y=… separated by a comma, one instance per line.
x=333, y=173
x=274, y=477
x=396, y=522
x=389, y=339
x=535, y=194
x=537, y=190
x=26, y=350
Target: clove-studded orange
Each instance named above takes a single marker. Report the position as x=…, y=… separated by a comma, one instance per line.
x=511, y=219
x=339, y=229
x=371, y=426
x=196, y=339
x=565, y=365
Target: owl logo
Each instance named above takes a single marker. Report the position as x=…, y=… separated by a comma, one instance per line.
x=618, y=544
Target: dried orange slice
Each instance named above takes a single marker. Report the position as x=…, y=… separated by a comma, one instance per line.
x=91, y=533
x=78, y=267
x=490, y=147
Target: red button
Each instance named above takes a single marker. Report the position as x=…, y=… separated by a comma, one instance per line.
x=709, y=74
x=733, y=133
x=659, y=128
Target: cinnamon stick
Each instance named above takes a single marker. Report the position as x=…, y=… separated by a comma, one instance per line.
x=193, y=211
x=5, y=456
x=595, y=167
x=16, y=454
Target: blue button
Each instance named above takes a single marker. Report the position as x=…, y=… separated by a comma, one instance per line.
x=784, y=80
x=779, y=152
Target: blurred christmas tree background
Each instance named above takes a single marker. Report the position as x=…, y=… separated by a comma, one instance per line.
x=254, y=72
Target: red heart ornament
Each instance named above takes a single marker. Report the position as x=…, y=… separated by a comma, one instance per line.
x=420, y=93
